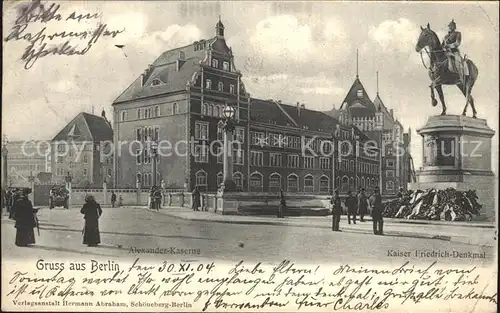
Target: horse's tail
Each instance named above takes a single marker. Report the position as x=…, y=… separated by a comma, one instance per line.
x=473, y=71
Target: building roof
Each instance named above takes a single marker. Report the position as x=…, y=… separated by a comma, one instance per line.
x=275, y=113
x=86, y=127
x=388, y=118
x=358, y=105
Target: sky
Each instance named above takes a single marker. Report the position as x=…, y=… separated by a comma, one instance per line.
x=297, y=51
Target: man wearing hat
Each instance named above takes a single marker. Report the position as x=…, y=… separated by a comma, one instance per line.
x=450, y=45
x=377, y=209
x=362, y=204
x=336, y=210
x=352, y=206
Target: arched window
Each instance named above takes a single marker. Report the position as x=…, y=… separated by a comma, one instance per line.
x=215, y=63
x=221, y=110
x=256, y=181
x=351, y=183
x=309, y=183
x=138, y=178
x=124, y=116
x=175, y=108
x=220, y=179
x=274, y=182
x=216, y=110
x=201, y=178
x=204, y=108
x=238, y=180
x=324, y=184
x=292, y=183
x=210, y=110
x=351, y=166
x=345, y=184
x=363, y=182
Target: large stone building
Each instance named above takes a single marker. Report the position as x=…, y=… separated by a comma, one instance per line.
x=83, y=149
x=379, y=123
x=26, y=158
x=178, y=103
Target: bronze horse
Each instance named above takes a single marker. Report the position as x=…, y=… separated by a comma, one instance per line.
x=440, y=74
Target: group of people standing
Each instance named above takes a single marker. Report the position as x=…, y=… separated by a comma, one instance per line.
x=359, y=205
x=22, y=211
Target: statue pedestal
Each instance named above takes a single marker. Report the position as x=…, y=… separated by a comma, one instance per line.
x=457, y=154
x=227, y=203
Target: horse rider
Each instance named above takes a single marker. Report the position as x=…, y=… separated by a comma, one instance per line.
x=450, y=45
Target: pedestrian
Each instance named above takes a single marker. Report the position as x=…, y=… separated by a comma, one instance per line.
x=336, y=210
x=8, y=197
x=352, y=207
x=157, y=195
x=362, y=204
x=196, y=199
x=377, y=209
x=150, y=199
x=16, y=196
x=113, y=199
x=25, y=218
x=282, y=205
x=91, y=211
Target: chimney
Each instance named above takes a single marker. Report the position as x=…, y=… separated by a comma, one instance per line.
x=142, y=80
x=180, y=60
x=392, y=112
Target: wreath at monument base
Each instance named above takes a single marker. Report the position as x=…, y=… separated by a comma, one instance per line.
x=432, y=204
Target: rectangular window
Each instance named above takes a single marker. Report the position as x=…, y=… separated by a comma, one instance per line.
x=231, y=88
x=208, y=84
x=324, y=163
x=220, y=155
x=275, y=159
x=59, y=159
x=220, y=86
x=220, y=132
x=138, y=134
x=389, y=186
x=258, y=138
x=308, y=162
x=238, y=156
x=201, y=130
x=201, y=154
x=256, y=158
x=84, y=172
x=240, y=134
x=84, y=159
x=138, y=156
x=389, y=163
x=139, y=114
x=293, y=161
x=389, y=174
x=156, y=134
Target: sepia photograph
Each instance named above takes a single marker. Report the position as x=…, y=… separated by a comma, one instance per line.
x=250, y=156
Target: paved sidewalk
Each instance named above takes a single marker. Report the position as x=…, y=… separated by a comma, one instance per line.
x=469, y=233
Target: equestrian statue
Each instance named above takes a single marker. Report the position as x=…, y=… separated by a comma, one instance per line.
x=447, y=67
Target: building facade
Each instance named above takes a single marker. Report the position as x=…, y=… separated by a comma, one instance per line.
x=178, y=103
x=83, y=150
x=26, y=158
x=379, y=123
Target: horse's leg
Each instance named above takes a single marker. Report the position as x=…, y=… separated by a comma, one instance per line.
x=463, y=89
x=433, y=97
x=439, y=89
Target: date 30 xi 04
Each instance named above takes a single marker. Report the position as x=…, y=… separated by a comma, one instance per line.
x=185, y=267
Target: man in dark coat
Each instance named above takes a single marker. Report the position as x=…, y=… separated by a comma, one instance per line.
x=336, y=210
x=91, y=211
x=282, y=205
x=25, y=218
x=362, y=204
x=157, y=196
x=113, y=199
x=151, y=198
x=377, y=209
x=196, y=199
x=352, y=207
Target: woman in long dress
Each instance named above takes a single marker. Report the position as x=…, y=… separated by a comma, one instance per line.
x=91, y=211
x=25, y=220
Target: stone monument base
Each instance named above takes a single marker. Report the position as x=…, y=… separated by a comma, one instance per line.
x=227, y=203
x=457, y=154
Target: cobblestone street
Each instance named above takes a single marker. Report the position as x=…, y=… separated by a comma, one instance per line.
x=124, y=230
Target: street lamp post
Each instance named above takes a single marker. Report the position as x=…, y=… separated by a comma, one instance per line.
x=31, y=180
x=5, y=152
x=153, y=148
x=228, y=184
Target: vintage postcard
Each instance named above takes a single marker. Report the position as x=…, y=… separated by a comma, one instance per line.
x=227, y=156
